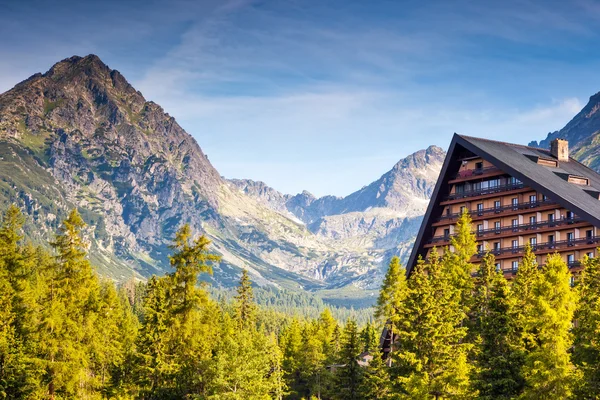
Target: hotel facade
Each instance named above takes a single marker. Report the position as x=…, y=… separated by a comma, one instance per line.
x=516, y=195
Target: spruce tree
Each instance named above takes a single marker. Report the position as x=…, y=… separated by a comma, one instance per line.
x=376, y=379
x=457, y=261
x=524, y=296
x=499, y=359
x=65, y=331
x=432, y=354
x=291, y=345
x=349, y=376
x=245, y=308
x=586, y=354
x=548, y=370
x=154, y=364
x=389, y=310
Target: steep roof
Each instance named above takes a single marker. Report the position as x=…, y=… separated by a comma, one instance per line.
x=520, y=162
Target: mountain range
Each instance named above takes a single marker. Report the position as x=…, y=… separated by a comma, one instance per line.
x=81, y=136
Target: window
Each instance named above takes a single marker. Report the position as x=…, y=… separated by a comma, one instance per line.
x=544, y=198
x=479, y=208
x=550, y=238
x=480, y=248
x=513, y=181
x=448, y=211
x=588, y=234
x=570, y=237
x=479, y=165
x=533, y=242
x=479, y=227
x=531, y=220
x=497, y=204
x=515, y=203
x=551, y=217
x=515, y=244
x=497, y=226
x=570, y=259
x=532, y=198
x=494, y=183
x=459, y=188
x=496, y=246
x=515, y=265
x=569, y=215
x=462, y=209
x=515, y=225
x=446, y=232
x=497, y=265
x=590, y=254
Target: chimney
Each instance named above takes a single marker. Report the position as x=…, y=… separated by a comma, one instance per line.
x=559, y=148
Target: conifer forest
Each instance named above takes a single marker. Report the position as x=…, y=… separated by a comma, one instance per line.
x=459, y=331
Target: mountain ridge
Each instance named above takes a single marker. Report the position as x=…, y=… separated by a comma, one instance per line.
x=81, y=136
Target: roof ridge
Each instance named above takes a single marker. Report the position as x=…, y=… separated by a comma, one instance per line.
x=571, y=159
x=501, y=142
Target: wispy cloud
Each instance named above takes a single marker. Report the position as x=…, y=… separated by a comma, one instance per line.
x=328, y=95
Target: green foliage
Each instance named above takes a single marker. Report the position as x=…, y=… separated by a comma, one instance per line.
x=245, y=309
x=392, y=296
x=64, y=333
x=548, y=371
x=499, y=359
x=586, y=354
x=350, y=376
x=432, y=352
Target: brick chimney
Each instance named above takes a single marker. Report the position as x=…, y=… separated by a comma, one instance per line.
x=559, y=148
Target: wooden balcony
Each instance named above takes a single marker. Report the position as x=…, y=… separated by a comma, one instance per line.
x=542, y=248
x=476, y=173
x=503, y=211
x=515, y=230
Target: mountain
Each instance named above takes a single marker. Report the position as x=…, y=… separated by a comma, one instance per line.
x=81, y=136
x=583, y=134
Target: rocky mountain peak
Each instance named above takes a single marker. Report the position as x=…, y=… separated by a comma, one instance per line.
x=580, y=130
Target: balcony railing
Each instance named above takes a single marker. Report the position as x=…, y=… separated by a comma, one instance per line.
x=570, y=264
x=498, y=210
x=480, y=192
x=561, y=244
x=512, y=228
x=467, y=173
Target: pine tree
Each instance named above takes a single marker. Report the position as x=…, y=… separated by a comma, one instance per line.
x=245, y=308
x=244, y=363
x=376, y=380
x=154, y=364
x=499, y=359
x=389, y=310
x=548, y=370
x=114, y=340
x=586, y=354
x=432, y=354
x=524, y=296
x=65, y=331
x=312, y=360
x=349, y=376
x=291, y=345
x=464, y=246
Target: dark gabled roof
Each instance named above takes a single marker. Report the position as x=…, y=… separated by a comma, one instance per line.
x=519, y=162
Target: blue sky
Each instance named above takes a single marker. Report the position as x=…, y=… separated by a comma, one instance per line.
x=326, y=95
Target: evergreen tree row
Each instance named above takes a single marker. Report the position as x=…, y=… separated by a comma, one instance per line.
x=67, y=334
x=464, y=336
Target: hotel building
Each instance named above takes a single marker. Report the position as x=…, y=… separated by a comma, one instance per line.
x=516, y=195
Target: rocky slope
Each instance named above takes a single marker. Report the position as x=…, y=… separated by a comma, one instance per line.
x=81, y=136
x=583, y=134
